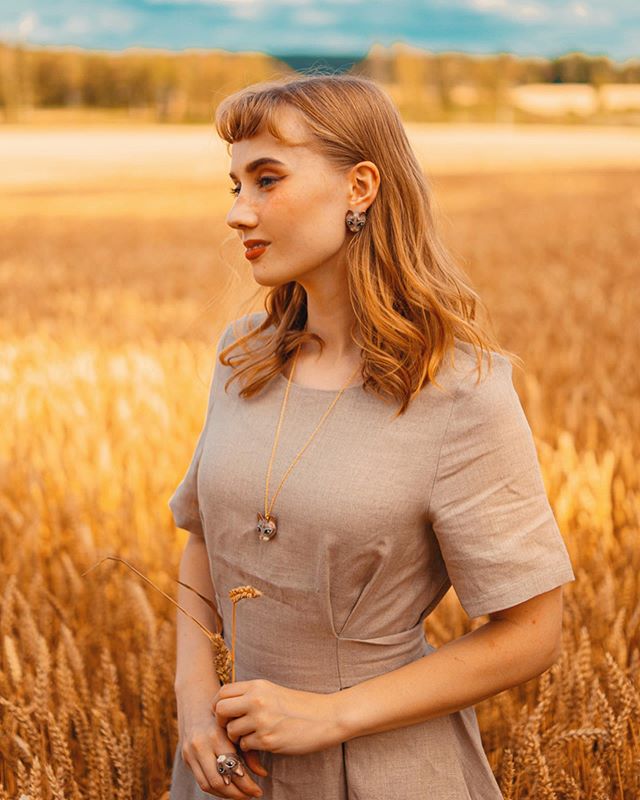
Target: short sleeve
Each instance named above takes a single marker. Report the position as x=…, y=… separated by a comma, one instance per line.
x=488, y=508
x=184, y=501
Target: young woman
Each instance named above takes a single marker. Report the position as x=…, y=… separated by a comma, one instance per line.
x=375, y=454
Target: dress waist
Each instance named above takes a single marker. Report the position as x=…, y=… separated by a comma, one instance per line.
x=361, y=659
x=328, y=663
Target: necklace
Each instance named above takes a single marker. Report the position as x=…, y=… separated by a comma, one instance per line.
x=267, y=523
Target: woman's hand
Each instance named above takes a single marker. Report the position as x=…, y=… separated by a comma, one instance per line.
x=263, y=715
x=202, y=738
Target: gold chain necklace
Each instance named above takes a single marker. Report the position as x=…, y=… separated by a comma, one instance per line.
x=267, y=523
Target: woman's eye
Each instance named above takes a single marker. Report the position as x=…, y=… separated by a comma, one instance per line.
x=236, y=189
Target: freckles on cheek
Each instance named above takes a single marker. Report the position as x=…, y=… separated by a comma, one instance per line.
x=279, y=203
x=285, y=201
x=303, y=198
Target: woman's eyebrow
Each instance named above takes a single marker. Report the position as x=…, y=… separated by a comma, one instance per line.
x=253, y=165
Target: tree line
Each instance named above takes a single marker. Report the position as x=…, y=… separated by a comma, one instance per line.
x=186, y=86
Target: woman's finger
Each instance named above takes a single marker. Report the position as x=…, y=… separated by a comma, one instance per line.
x=198, y=774
x=252, y=758
x=248, y=742
x=240, y=788
x=229, y=707
x=242, y=726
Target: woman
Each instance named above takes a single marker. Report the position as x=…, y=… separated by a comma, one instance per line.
x=376, y=454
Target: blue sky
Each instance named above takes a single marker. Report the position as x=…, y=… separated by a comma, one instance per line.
x=338, y=27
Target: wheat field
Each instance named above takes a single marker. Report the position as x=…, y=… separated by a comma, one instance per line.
x=115, y=288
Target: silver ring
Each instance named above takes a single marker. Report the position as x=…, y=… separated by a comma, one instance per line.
x=229, y=764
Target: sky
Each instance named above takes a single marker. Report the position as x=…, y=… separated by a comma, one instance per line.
x=545, y=28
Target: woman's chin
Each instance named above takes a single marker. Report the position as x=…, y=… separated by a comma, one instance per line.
x=265, y=278
x=270, y=277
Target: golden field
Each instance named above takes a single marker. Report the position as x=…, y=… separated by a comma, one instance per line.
x=118, y=274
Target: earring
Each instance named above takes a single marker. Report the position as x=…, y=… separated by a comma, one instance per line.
x=355, y=220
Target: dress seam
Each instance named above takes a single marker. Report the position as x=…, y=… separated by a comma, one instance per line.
x=444, y=436
x=339, y=674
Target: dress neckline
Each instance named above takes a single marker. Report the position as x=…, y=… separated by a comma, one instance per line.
x=314, y=389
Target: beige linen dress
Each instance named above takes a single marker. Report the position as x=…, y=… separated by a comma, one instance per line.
x=376, y=521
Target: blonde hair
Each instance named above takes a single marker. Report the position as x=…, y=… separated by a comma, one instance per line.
x=410, y=299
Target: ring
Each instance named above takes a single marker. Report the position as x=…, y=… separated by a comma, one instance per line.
x=229, y=764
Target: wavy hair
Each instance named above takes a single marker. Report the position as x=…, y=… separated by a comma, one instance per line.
x=410, y=299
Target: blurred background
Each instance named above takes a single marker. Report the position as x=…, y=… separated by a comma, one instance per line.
x=118, y=274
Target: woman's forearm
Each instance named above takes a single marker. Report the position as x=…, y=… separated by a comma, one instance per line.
x=462, y=672
x=195, y=668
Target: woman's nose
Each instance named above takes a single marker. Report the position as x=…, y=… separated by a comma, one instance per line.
x=241, y=215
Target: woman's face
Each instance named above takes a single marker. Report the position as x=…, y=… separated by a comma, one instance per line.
x=298, y=206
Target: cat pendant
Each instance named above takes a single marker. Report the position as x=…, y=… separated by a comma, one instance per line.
x=266, y=527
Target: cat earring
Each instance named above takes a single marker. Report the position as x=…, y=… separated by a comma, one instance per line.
x=355, y=220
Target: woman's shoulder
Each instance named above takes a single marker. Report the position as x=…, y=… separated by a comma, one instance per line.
x=485, y=402
x=471, y=363
x=241, y=326
x=476, y=386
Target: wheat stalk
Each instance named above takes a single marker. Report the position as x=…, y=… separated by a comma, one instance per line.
x=235, y=595
x=216, y=640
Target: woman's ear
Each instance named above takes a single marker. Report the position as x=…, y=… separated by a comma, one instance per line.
x=364, y=181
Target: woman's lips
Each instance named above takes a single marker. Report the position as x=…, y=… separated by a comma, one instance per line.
x=255, y=252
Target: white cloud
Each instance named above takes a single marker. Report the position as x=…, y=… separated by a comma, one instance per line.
x=27, y=23
x=509, y=8
x=312, y=16
x=487, y=5
x=76, y=25
x=246, y=11
x=571, y=13
x=579, y=12
x=242, y=6
x=529, y=11
x=117, y=21
x=27, y=26
x=579, y=9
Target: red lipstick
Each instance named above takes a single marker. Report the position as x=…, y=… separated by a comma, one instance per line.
x=255, y=248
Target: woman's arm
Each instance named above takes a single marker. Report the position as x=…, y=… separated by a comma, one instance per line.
x=195, y=668
x=197, y=682
x=517, y=644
